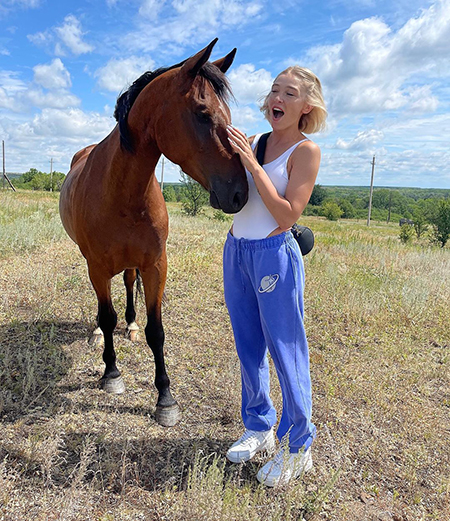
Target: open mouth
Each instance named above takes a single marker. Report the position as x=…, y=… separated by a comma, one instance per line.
x=277, y=113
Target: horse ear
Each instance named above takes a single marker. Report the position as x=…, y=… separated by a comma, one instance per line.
x=193, y=64
x=225, y=63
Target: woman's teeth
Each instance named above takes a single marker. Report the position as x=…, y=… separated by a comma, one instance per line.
x=277, y=113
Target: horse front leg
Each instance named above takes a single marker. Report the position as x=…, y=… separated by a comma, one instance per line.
x=167, y=410
x=111, y=381
x=129, y=278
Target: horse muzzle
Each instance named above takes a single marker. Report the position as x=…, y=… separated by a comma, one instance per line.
x=229, y=196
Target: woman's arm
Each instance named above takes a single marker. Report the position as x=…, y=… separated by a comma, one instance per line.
x=304, y=166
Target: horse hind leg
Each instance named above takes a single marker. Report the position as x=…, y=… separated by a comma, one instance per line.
x=111, y=381
x=129, y=278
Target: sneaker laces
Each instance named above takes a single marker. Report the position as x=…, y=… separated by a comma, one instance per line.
x=247, y=436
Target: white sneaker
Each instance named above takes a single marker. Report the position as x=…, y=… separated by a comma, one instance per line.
x=284, y=467
x=249, y=444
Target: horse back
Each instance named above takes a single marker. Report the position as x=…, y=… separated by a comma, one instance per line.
x=66, y=199
x=81, y=154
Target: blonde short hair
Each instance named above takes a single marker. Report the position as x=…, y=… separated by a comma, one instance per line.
x=311, y=90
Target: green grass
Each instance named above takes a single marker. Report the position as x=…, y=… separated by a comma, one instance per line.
x=27, y=221
x=377, y=320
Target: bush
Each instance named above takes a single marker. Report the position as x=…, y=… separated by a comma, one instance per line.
x=169, y=194
x=406, y=233
x=332, y=211
x=194, y=196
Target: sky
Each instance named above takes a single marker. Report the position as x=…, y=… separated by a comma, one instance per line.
x=384, y=67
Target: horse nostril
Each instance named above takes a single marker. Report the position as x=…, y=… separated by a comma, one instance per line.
x=237, y=200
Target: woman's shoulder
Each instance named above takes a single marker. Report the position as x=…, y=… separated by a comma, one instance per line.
x=306, y=149
x=306, y=154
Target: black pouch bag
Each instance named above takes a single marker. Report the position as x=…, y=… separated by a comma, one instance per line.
x=302, y=234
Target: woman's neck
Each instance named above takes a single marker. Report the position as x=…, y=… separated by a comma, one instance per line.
x=285, y=136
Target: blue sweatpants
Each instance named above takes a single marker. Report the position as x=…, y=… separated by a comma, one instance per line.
x=263, y=282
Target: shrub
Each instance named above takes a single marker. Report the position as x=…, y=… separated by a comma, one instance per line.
x=194, y=196
x=406, y=233
x=169, y=194
x=332, y=211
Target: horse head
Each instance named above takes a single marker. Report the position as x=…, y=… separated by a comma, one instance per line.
x=184, y=111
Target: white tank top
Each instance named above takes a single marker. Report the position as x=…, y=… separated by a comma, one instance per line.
x=255, y=221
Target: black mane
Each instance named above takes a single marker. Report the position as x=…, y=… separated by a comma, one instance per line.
x=212, y=74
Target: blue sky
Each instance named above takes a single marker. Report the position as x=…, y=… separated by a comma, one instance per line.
x=384, y=65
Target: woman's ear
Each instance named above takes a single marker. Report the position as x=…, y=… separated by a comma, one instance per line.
x=307, y=109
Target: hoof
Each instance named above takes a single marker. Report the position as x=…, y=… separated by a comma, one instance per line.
x=168, y=416
x=132, y=332
x=97, y=338
x=112, y=385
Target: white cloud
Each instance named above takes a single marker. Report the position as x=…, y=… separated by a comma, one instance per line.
x=70, y=123
x=191, y=22
x=117, y=74
x=66, y=37
x=7, y=6
x=150, y=9
x=53, y=75
x=363, y=140
x=10, y=81
x=60, y=99
x=245, y=118
x=369, y=71
x=249, y=84
x=72, y=37
x=57, y=133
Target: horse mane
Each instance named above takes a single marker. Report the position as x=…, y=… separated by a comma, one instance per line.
x=209, y=72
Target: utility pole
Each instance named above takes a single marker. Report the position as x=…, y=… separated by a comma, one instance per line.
x=51, y=174
x=162, y=174
x=4, y=172
x=371, y=191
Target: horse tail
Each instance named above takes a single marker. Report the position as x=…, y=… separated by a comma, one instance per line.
x=138, y=287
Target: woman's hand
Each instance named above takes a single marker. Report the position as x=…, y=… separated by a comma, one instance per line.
x=240, y=144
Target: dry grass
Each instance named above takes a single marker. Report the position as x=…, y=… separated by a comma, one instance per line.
x=378, y=323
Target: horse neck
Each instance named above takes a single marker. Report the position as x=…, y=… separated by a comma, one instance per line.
x=134, y=172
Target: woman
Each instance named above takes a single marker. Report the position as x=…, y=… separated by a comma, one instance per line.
x=264, y=277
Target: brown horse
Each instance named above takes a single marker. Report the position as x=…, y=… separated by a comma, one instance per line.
x=112, y=207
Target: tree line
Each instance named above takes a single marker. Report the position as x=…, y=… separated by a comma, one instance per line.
x=36, y=180
x=427, y=210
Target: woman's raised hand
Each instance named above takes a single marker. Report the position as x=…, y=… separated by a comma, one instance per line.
x=240, y=144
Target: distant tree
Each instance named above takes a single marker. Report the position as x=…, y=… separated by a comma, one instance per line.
x=380, y=198
x=39, y=181
x=194, y=196
x=57, y=180
x=169, y=194
x=318, y=195
x=28, y=176
x=441, y=223
x=348, y=212
x=419, y=219
x=331, y=210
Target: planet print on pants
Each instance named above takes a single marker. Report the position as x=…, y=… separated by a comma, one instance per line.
x=268, y=283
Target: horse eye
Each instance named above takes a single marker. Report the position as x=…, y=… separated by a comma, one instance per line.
x=203, y=117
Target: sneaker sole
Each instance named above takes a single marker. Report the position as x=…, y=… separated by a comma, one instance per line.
x=267, y=447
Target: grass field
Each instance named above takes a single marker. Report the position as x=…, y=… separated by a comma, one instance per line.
x=378, y=322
